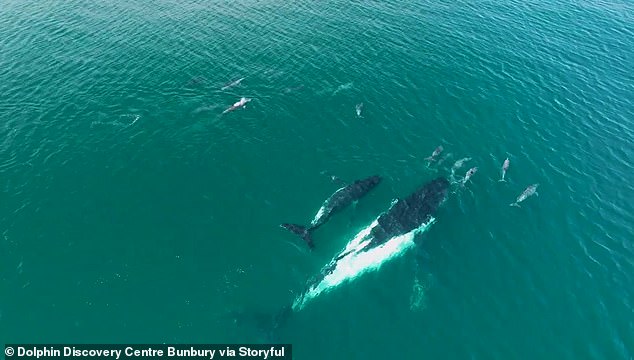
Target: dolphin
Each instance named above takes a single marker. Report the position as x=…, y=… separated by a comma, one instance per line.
x=505, y=167
x=436, y=152
x=340, y=199
x=232, y=84
x=469, y=174
x=444, y=158
x=529, y=191
x=458, y=164
x=240, y=103
x=359, y=108
x=197, y=80
x=342, y=87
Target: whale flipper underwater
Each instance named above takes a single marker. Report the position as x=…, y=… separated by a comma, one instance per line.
x=389, y=236
x=336, y=202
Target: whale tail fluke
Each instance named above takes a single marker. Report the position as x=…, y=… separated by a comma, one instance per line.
x=302, y=232
x=514, y=204
x=266, y=323
x=281, y=317
x=275, y=323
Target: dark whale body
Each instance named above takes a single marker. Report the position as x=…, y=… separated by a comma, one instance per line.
x=409, y=213
x=405, y=216
x=339, y=200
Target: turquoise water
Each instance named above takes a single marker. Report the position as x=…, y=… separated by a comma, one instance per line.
x=133, y=211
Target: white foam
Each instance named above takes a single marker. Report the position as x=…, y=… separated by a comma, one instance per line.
x=356, y=262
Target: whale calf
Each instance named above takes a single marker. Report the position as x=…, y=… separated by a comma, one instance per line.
x=340, y=199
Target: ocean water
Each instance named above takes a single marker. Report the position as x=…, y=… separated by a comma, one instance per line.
x=133, y=211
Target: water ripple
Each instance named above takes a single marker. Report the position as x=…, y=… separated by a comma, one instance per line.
x=111, y=106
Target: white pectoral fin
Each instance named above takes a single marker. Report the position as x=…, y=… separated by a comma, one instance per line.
x=536, y=194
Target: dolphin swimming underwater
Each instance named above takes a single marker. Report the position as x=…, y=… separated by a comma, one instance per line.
x=336, y=202
x=505, y=167
x=359, y=108
x=528, y=192
x=232, y=84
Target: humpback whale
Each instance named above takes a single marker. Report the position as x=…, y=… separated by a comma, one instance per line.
x=388, y=236
x=336, y=202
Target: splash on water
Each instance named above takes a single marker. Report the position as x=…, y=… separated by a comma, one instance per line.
x=355, y=260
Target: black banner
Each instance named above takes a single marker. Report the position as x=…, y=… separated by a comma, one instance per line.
x=146, y=352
